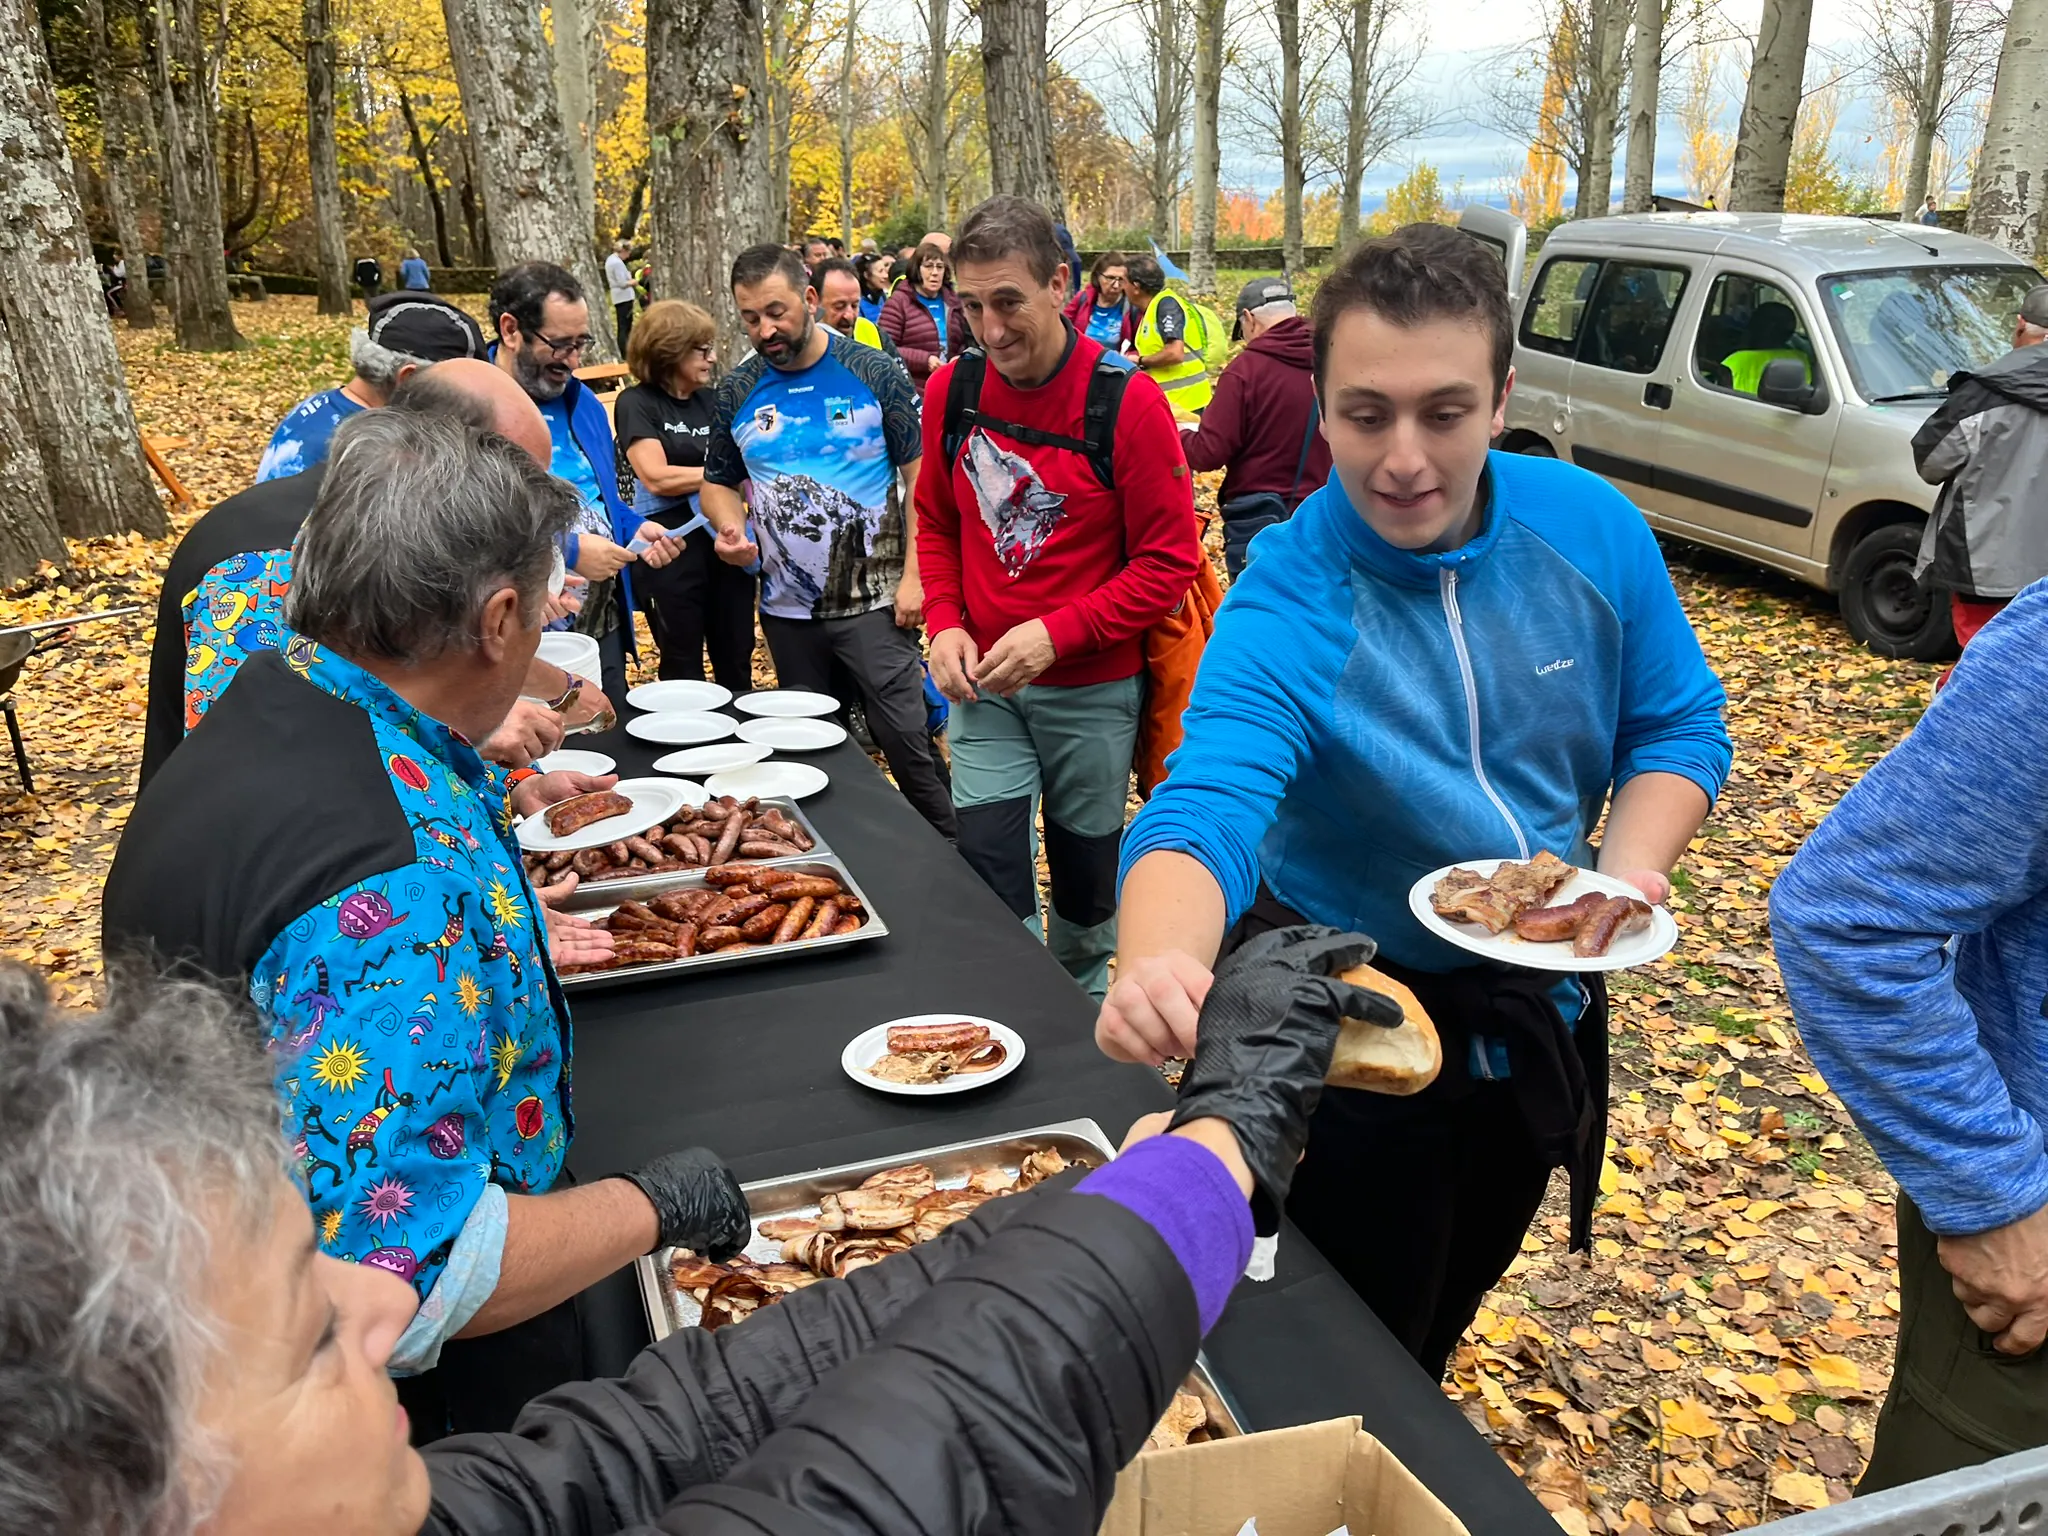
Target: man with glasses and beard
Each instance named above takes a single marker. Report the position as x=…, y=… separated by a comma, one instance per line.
x=542, y=325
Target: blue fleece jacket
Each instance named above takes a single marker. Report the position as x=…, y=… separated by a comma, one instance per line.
x=1940, y=1048
x=1365, y=714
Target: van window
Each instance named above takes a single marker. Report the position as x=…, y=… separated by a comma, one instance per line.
x=1905, y=330
x=1630, y=316
x=1556, y=308
x=1747, y=323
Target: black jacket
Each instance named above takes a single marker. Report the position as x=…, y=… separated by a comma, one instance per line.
x=264, y=517
x=992, y=1380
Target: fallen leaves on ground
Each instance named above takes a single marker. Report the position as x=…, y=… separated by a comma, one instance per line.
x=1716, y=1361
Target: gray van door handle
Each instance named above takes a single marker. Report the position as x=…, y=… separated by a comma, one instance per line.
x=1657, y=396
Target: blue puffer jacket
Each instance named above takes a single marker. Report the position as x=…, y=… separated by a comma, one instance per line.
x=1365, y=714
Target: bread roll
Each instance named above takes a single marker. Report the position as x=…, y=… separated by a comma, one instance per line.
x=1402, y=1060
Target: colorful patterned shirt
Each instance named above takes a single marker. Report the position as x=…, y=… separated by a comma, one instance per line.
x=236, y=610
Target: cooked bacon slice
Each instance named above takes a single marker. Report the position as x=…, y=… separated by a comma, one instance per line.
x=1493, y=902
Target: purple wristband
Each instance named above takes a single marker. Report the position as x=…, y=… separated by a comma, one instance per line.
x=1183, y=1192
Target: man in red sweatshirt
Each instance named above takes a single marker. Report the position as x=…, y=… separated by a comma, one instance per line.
x=1261, y=429
x=1040, y=580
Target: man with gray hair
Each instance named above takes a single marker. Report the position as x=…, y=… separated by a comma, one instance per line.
x=327, y=839
x=406, y=331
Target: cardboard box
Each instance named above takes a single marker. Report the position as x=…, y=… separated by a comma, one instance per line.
x=1309, y=1480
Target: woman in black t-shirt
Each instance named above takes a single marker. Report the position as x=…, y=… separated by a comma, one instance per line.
x=696, y=602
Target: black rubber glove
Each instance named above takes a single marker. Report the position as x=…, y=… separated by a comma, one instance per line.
x=697, y=1202
x=1264, y=1041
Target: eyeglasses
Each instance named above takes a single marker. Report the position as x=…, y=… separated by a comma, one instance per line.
x=568, y=346
x=709, y=354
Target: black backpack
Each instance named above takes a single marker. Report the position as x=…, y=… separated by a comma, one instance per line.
x=1098, y=416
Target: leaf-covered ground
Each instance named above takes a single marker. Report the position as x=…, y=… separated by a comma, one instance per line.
x=1715, y=1362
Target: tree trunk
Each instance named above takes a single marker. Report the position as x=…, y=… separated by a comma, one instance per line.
x=1927, y=110
x=780, y=106
x=1013, y=65
x=529, y=185
x=938, y=98
x=636, y=205
x=117, y=128
x=1165, y=116
x=193, y=241
x=1208, y=96
x=706, y=91
x=1366, y=20
x=1770, y=110
x=28, y=523
x=1639, y=179
x=328, y=228
x=437, y=203
x=73, y=391
x=1603, y=107
x=847, y=124
x=1287, y=18
x=2005, y=194
x=576, y=53
x=474, y=224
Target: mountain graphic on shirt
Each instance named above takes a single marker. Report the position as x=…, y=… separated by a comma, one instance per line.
x=815, y=538
x=1014, y=502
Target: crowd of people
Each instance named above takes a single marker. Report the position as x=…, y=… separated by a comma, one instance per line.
x=953, y=466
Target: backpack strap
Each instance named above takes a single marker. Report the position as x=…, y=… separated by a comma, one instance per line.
x=963, y=394
x=1106, y=385
x=1308, y=438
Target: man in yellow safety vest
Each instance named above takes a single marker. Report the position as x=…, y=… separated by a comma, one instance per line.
x=837, y=282
x=1173, y=338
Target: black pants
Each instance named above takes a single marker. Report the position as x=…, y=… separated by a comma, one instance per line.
x=698, y=603
x=887, y=668
x=1420, y=1203
x=623, y=311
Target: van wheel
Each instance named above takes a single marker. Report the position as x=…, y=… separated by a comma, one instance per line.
x=1533, y=446
x=1884, y=607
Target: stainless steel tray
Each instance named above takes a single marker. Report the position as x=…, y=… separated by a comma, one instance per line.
x=610, y=893
x=604, y=898
x=798, y=1194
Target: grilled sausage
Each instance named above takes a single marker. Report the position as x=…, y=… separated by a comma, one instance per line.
x=579, y=811
x=818, y=887
x=1615, y=916
x=793, y=924
x=686, y=940
x=735, y=874
x=822, y=922
x=716, y=938
x=743, y=908
x=588, y=862
x=729, y=839
x=758, y=847
x=851, y=923
x=764, y=922
x=1547, y=925
x=558, y=860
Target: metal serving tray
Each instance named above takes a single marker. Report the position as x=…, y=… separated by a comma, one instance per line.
x=604, y=898
x=639, y=888
x=797, y=1195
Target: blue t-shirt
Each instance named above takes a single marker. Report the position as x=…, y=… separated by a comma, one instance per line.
x=872, y=309
x=1106, y=325
x=570, y=463
x=300, y=440
x=936, y=308
x=821, y=446
x=412, y=273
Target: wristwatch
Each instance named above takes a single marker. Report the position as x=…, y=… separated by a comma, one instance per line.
x=561, y=702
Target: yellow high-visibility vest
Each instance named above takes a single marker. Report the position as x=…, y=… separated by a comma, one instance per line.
x=1187, y=383
x=866, y=333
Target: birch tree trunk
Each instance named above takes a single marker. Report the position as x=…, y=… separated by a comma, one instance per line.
x=938, y=98
x=28, y=523
x=1207, y=104
x=1287, y=19
x=2005, y=193
x=780, y=110
x=1639, y=178
x=1013, y=64
x=1365, y=20
x=191, y=203
x=1603, y=106
x=706, y=91
x=1927, y=108
x=529, y=186
x=117, y=133
x=575, y=37
x=1166, y=98
x=1770, y=110
x=328, y=228
x=847, y=124
x=71, y=387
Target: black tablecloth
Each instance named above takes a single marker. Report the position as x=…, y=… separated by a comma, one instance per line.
x=746, y=1061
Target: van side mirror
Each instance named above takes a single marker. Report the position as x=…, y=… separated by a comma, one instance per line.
x=1784, y=384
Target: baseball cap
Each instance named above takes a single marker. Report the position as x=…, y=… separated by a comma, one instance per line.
x=1257, y=294
x=2034, y=307
x=424, y=327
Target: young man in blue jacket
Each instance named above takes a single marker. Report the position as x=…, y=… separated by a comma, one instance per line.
x=1914, y=940
x=1447, y=654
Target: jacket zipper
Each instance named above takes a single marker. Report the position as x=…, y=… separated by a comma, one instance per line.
x=1447, y=584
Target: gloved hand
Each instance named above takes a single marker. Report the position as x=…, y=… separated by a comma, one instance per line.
x=1264, y=1041
x=697, y=1202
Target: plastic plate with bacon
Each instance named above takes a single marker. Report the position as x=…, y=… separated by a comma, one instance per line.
x=933, y=1053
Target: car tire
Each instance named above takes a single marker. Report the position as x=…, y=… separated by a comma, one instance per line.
x=1885, y=608
x=1535, y=448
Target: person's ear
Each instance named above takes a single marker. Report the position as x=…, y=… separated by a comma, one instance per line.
x=405, y=371
x=508, y=330
x=502, y=622
x=1500, y=406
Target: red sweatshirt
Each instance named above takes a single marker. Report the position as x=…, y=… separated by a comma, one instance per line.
x=1041, y=538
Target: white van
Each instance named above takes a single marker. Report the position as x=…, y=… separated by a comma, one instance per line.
x=1753, y=383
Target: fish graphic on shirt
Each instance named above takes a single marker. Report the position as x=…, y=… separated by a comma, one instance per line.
x=1020, y=512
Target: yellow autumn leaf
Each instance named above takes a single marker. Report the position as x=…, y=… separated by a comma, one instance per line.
x=1837, y=1371
x=1802, y=1490
x=1690, y=1418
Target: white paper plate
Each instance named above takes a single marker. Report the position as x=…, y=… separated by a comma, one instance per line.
x=569, y=760
x=693, y=792
x=572, y=652
x=785, y=703
x=715, y=758
x=1630, y=950
x=871, y=1045
x=653, y=800
x=677, y=695
x=786, y=781
x=686, y=730
x=793, y=734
